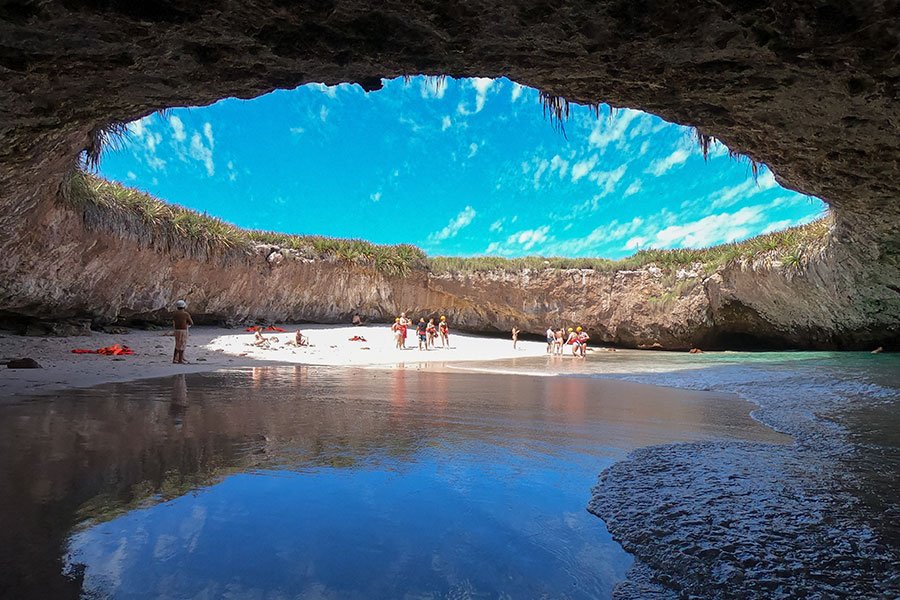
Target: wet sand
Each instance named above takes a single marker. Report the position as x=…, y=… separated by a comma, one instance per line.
x=212, y=348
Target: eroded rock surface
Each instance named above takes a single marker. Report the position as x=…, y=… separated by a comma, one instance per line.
x=809, y=89
x=109, y=270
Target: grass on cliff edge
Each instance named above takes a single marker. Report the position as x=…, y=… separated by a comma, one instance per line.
x=114, y=207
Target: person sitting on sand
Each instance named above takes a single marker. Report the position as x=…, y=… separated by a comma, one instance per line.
x=300, y=339
x=444, y=330
x=181, y=320
x=431, y=332
x=259, y=340
x=515, y=337
x=421, y=332
x=356, y=320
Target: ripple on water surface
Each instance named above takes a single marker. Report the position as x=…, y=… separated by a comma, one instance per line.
x=816, y=519
x=326, y=482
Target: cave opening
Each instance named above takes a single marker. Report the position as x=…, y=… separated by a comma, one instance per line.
x=457, y=167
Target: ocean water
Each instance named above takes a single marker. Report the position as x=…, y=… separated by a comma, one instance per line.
x=330, y=483
x=819, y=518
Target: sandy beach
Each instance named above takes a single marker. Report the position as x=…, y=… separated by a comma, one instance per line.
x=213, y=348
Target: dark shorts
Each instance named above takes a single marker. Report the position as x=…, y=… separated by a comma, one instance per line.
x=421, y=337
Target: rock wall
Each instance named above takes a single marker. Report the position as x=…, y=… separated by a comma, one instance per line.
x=119, y=276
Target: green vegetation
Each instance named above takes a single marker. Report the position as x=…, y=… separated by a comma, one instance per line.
x=130, y=213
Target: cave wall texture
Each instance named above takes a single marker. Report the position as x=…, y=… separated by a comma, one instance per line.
x=807, y=87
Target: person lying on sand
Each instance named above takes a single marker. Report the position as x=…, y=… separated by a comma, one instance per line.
x=181, y=320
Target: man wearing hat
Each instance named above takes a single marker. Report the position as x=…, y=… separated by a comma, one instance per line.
x=182, y=320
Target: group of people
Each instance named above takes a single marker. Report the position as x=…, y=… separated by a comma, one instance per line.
x=557, y=340
x=427, y=333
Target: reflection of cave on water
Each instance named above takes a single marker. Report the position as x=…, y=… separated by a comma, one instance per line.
x=100, y=453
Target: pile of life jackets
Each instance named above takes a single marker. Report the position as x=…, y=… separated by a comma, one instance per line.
x=114, y=350
x=254, y=328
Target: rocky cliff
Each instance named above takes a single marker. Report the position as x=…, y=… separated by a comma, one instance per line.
x=105, y=268
x=808, y=88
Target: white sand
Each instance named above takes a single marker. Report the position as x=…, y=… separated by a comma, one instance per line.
x=212, y=348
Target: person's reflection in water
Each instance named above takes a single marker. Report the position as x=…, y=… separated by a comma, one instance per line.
x=178, y=407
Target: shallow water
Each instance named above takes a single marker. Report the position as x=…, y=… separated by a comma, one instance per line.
x=330, y=483
x=819, y=518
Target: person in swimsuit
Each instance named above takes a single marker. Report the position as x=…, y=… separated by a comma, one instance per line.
x=551, y=338
x=581, y=340
x=182, y=320
x=398, y=333
x=570, y=341
x=558, y=342
x=515, y=337
x=421, y=332
x=444, y=330
x=404, y=324
x=431, y=331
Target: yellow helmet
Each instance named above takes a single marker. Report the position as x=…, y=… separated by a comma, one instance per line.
x=443, y=318
x=578, y=329
x=397, y=320
x=570, y=329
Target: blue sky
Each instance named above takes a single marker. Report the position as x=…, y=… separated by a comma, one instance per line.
x=465, y=168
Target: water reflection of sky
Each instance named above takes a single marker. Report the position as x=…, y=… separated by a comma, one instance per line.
x=319, y=482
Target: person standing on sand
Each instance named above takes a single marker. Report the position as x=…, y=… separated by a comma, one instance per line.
x=558, y=343
x=421, y=333
x=431, y=331
x=582, y=340
x=182, y=320
x=444, y=330
x=551, y=337
x=570, y=341
x=404, y=324
x=515, y=337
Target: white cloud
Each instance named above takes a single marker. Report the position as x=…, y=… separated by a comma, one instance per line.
x=582, y=168
x=677, y=157
x=481, y=85
x=746, y=189
x=375, y=197
x=463, y=219
x=323, y=113
x=636, y=243
x=473, y=149
x=604, y=234
x=542, y=166
x=713, y=229
x=203, y=152
x=177, y=129
x=516, y=91
x=612, y=129
x=608, y=180
x=560, y=165
x=521, y=241
x=131, y=175
x=328, y=90
x=633, y=189
x=445, y=123
x=496, y=226
x=297, y=130
x=232, y=174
